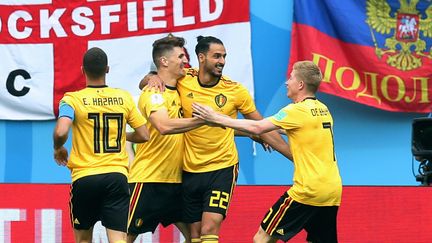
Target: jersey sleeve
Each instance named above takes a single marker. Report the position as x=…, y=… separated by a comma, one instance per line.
x=134, y=118
x=151, y=101
x=289, y=117
x=68, y=99
x=67, y=106
x=244, y=102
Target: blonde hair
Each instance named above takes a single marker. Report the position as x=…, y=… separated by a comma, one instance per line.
x=310, y=73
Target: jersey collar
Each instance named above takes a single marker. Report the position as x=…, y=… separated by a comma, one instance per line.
x=309, y=98
x=206, y=85
x=170, y=87
x=97, y=86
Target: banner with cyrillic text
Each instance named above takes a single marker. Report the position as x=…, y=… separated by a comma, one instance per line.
x=374, y=52
x=42, y=43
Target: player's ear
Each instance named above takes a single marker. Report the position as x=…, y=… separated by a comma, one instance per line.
x=82, y=70
x=164, y=61
x=302, y=84
x=107, y=69
x=201, y=57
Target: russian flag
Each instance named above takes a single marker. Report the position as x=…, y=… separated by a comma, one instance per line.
x=375, y=52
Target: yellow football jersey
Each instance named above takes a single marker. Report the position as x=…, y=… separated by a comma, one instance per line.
x=159, y=159
x=99, y=130
x=309, y=126
x=212, y=148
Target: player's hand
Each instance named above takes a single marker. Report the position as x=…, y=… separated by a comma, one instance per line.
x=154, y=82
x=207, y=114
x=204, y=112
x=61, y=156
x=264, y=145
x=205, y=122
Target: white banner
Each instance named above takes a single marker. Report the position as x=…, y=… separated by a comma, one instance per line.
x=28, y=75
x=41, y=45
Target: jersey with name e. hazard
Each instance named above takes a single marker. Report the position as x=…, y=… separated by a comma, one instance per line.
x=99, y=130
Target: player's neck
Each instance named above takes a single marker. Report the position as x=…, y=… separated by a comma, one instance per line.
x=167, y=78
x=96, y=82
x=302, y=97
x=207, y=79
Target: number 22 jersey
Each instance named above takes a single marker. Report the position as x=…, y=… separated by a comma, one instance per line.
x=212, y=148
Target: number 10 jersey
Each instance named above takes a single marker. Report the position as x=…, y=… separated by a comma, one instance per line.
x=99, y=130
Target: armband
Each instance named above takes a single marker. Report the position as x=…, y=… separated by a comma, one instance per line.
x=65, y=110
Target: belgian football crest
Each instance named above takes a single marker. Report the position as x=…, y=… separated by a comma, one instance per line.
x=405, y=27
x=220, y=100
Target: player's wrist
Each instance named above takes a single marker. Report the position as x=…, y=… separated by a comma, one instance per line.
x=57, y=147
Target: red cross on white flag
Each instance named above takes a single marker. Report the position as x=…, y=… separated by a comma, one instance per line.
x=42, y=43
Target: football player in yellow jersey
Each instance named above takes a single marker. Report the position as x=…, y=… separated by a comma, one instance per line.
x=210, y=166
x=98, y=161
x=156, y=173
x=313, y=200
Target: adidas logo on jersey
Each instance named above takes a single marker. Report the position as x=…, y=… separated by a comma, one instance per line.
x=173, y=103
x=190, y=95
x=76, y=221
x=280, y=231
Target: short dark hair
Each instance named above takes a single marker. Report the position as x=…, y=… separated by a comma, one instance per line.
x=95, y=62
x=164, y=45
x=204, y=42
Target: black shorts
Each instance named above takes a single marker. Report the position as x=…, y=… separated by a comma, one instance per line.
x=287, y=217
x=103, y=197
x=208, y=192
x=154, y=203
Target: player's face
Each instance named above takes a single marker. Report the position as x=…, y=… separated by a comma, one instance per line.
x=176, y=62
x=292, y=85
x=215, y=60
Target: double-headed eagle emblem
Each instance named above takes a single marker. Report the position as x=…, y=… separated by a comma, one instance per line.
x=407, y=26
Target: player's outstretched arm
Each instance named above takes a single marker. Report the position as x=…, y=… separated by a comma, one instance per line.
x=256, y=127
x=250, y=126
x=272, y=138
x=166, y=125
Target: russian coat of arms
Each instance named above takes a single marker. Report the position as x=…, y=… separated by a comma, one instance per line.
x=407, y=27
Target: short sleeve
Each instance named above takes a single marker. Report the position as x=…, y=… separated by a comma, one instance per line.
x=245, y=103
x=135, y=119
x=289, y=117
x=151, y=101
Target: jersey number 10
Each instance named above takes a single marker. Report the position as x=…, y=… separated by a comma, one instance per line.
x=108, y=119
